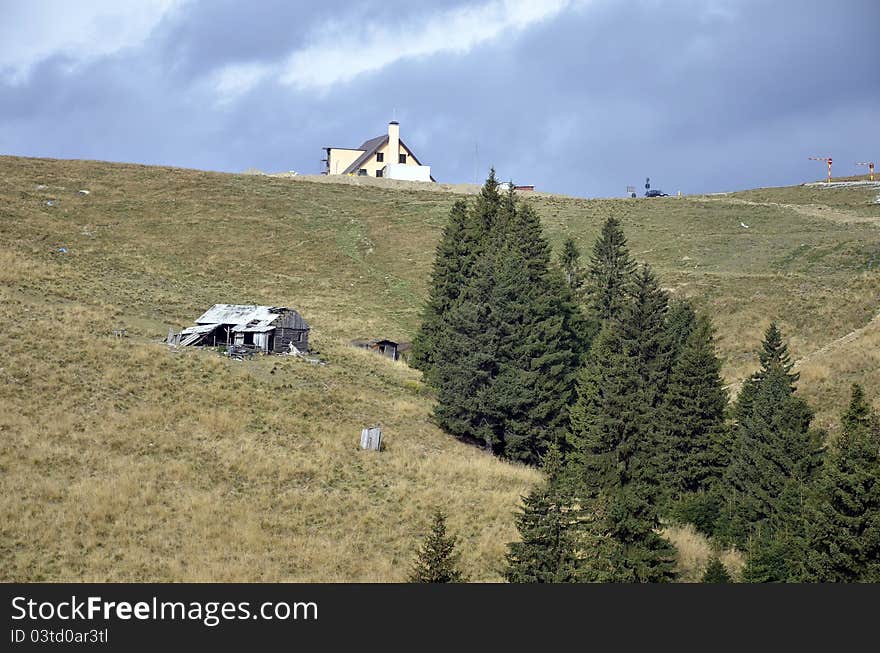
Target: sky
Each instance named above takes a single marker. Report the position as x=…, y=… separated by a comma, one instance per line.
x=582, y=97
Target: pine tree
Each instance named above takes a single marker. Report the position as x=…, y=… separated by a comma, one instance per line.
x=538, y=346
x=608, y=417
x=774, y=459
x=694, y=441
x=774, y=555
x=773, y=355
x=538, y=356
x=547, y=524
x=437, y=561
x=680, y=321
x=468, y=365
x=488, y=205
x=609, y=435
x=641, y=554
x=610, y=272
x=642, y=324
x=843, y=524
x=453, y=267
x=716, y=572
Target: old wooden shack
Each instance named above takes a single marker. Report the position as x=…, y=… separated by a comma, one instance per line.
x=266, y=329
x=388, y=348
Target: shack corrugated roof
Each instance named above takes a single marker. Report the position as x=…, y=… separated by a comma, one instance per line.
x=259, y=326
x=202, y=328
x=239, y=314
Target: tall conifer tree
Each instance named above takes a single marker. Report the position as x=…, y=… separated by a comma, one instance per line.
x=843, y=524
x=468, y=364
x=611, y=437
x=694, y=440
x=453, y=268
x=610, y=272
x=774, y=458
x=643, y=329
x=773, y=355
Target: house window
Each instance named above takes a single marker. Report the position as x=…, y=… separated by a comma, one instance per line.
x=362, y=172
x=401, y=158
x=378, y=173
x=380, y=157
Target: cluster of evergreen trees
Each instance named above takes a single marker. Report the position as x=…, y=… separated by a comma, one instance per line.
x=502, y=333
x=617, y=391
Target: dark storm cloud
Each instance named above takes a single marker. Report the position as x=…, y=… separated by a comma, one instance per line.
x=700, y=96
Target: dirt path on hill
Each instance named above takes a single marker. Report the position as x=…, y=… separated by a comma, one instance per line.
x=853, y=335
x=820, y=211
x=834, y=344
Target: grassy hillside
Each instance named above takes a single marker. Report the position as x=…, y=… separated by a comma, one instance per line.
x=120, y=460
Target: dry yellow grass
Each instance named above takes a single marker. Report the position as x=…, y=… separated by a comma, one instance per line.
x=694, y=551
x=124, y=461
x=120, y=460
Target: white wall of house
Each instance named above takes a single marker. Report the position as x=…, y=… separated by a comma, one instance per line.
x=407, y=172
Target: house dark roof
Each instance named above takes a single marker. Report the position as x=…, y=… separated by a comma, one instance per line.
x=369, y=148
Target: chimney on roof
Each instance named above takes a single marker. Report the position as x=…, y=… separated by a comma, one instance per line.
x=393, y=142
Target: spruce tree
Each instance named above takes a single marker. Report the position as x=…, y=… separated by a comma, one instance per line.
x=437, y=560
x=716, y=572
x=774, y=555
x=537, y=361
x=610, y=272
x=680, y=321
x=773, y=355
x=538, y=345
x=694, y=441
x=453, y=267
x=641, y=554
x=642, y=325
x=608, y=417
x=775, y=457
x=843, y=524
x=468, y=365
x=547, y=524
x=611, y=437
x=488, y=205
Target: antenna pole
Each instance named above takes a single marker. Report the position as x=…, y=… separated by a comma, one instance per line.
x=476, y=154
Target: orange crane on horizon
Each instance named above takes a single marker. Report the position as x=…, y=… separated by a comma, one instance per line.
x=827, y=159
x=870, y=165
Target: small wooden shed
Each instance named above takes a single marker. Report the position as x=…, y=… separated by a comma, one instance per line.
x=388, y=348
